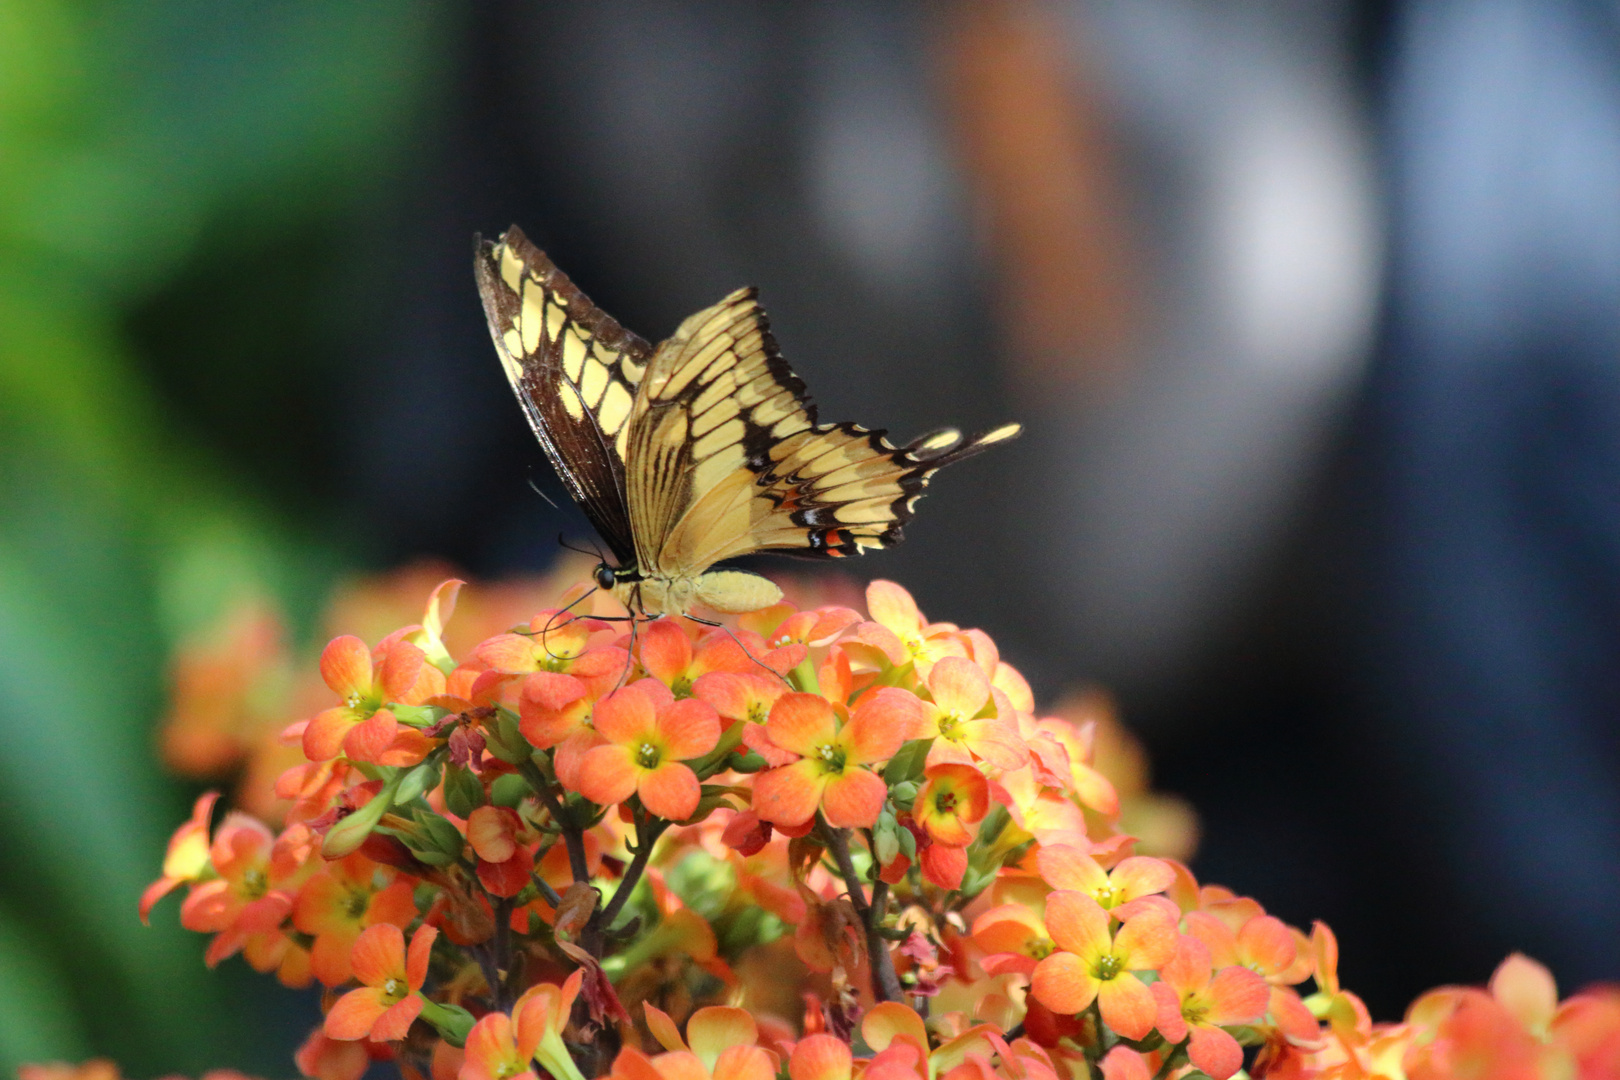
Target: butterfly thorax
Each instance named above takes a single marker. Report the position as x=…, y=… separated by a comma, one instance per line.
x=730, y=592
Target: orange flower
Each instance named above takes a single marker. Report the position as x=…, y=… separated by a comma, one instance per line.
x=555, y=643
x=898, y=631
x=362, y=728
x=1195, y=1002
x=1013, y=938
x=832, y=772
x=253, y=894
x=820, y=1057
x=647, y=737
x=668, y=656
x=1266, y=946
x=390, y=1000
x=722, y=1048
x=501, y=841
x=186, y=860
x=501, y=1047
x=964, y=719
x=954, y=799
x=340, y=902
x=746, y=696
x=1064, y=866
x=1096, y=964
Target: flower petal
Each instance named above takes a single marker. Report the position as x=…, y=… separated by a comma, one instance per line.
x=626, y=715
x=1141, y=875
x=889, y=1019
x=712, y=1030
x=1077, y=923
x=346, y=665
x=790, y=794
x=802, y=723
x=853, y=800
x=353, y=1014
x=1062, y=983
x=891, y=605
x=820, y=1057
x=1238, y=996
x=1149, y=940
x=1128, y=1006
x=671, y=791
x=959, y=687
x=379, y=954
x=665, y=651
x=690, y=728
x=416, y=962
x=394, y=1023
x=1215, y=1052
x=744, y=1063
x=608, y=774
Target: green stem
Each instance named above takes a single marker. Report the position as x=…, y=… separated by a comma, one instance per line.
x=885, y=981
x=1172, y=1060
x=571, y=833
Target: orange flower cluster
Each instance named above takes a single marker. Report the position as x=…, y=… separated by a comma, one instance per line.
x=832, y=842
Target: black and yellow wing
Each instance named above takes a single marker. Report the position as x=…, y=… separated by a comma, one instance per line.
x=574, y=370
x=726, y=456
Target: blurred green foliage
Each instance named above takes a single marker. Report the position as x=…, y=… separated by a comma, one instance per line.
x=138, y=140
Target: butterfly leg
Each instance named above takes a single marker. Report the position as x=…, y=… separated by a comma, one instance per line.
x=772, y=672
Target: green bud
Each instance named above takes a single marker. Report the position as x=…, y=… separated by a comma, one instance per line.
x=886, y=842
x=462, y=791
x=441, y=834
x=904, y=794
x=418, y=715
x=509, y=790
x=748, y=763
x=506, y=741
x=452, y=1022
x=347, y=835
x=908, y=843
x=419, y=781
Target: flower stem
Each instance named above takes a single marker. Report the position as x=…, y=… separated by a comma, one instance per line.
x=1171, y=1060
x=885, y=982
x=571, y=833
x=647, y=834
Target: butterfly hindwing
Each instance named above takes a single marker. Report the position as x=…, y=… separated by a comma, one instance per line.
x=729, y=458
x=574, y=370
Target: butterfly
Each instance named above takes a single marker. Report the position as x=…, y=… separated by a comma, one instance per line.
x=702, y=449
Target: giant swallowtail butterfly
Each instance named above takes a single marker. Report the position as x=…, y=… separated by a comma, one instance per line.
x=700, y=450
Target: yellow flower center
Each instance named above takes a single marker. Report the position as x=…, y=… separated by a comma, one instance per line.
x=394, y=989
x=354, y=699
x=1107, y=895
x=507, y=1068
x=832, y=757
x=947, y=726
x=647, y=756
x=945, y=802
x=355, y=904
x=1107, y=966
x=1194, y=1011
x=757, y=713
x=254, y=883
x=1039, y=948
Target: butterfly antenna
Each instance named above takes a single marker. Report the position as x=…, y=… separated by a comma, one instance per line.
x=562, y=542
x=772, y=672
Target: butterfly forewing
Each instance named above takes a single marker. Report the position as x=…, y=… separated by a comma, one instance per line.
x=575, y=371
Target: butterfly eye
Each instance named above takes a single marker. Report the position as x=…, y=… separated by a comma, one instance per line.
x=604, y=576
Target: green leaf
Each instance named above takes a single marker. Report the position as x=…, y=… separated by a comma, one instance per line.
x=908, y=762
x=462, y=791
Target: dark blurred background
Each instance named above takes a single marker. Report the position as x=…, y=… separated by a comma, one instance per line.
x=1312, y=312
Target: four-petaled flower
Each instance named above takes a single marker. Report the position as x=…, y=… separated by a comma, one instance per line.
x=1095, y=963
x=648, y=736
x=502, y=1047
x=832, y=771
x=963, y=719
x=385, y=1006
x=362, y=727
x=1064, y=866
x=1195, y=1002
